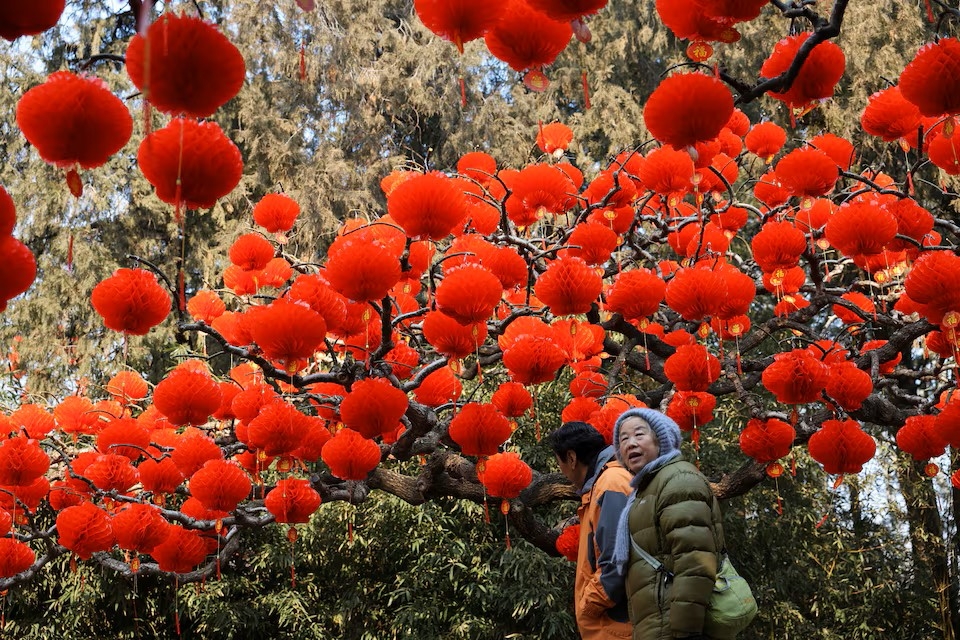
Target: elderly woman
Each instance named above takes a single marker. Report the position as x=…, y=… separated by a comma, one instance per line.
x=674, y=517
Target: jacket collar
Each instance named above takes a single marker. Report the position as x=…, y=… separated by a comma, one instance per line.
x=605, y=456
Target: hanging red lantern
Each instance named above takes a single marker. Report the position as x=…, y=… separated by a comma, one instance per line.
x=220, y=485
x=84, y=529
x=22, y=461
x=636, y=294
x=479, y=429
x=278, y=429
x=807, y=173
x=361, y=270
x=687, y=108
x=860, y=228
x=469, y=294
x=189, y=163
x=131, y=301
x=127, y=387
x=184, y=65
x=932, y=284
x=890, y=116
x=818, y=76
x=930, y=80
x=920, y=438
x=29, y=18
x=182, y=551
x=451, y=338
x=766, y=441
x=691, y=410
x=402, y=359
x=778, y=245
x=533, y=359
x=692, y=368
x=187, y=397
x=695, y=293
x=612, y=189
x=33, y=419
x=111, y=472
x=139, y=527
x=569, y=286
x=478, y=166
x=192, y=450
x=427, y=206
x=124, y=437
x=18, y=269
x=505, y=475
x=580, y=409
x=459, y=21
x=316, y=292
x=251, y=252
x=350, y=456
x=159, y=477
x=555, y=137
x=438, y=388
x=276, y=212
x=765, y=139
x=862, y=302
x=535, y=191
x=913, y=221
x=795, y=377
x=373, y=407
x=287, y=332
x=568, y=542
x=840, y=150
x=292, y=501
x=73, y=121
x=848, y=385
x=512, y=399
x=75, y=415
x=206, y=306
x=590, y=384
x=593, y=242
x=527, y=40
x=669, y=173
x=16, y=497
x=841, y=447
x=15, y=557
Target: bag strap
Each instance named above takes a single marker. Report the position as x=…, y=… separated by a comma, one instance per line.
x=653, y=562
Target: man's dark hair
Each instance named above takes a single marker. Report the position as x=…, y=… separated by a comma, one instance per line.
x=579, y=437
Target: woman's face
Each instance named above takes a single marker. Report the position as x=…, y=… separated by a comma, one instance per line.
x=638, y=444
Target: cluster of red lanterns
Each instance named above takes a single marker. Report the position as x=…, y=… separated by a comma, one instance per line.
x=18, y=268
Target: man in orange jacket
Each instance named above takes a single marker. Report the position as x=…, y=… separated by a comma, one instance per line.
x=603, y=484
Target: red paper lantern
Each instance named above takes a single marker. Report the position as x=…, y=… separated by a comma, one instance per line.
x=568, y=10
x=29, y=18
x=778, y=245
x=505, y=475
x=525, y=39
x=795, y=377
x=593, y=242
x=451, y=338
x=569, y=286
x=807, y=172
x=479, y=429
x=535, y=191
x=85, y=529
x=533, y=359
x=556, y=136
x=190, y=163
x=568, y=542
x=220, y=485
x=361, y=270
x=292, y=501
x=687, y=108
x=18, y=269
x=350, y=456
x=692, y=368
x=512, y=399
x=636, y=294
x=930, y=80
x=817, y=77
x=767, y=441
x=182, y=551
x=127, y=387
x=765, y=139
x=841, y=447
x=478, y=166
x=438, y=388
x=131, y=301
x=187, y=397
x=160, y=477
x=469, y=294
x=15, y=556
x=251, y=252
x=124, y=437
x=112, y=472
x=74, y=120
x=890, y=116
x=139, y=527
x=860, y=228
x=459, y=21
x=278, y=429
x=848, y=385
x=427, y=206
x=691, y=410
x=580, y=410
x=22, y=461
x=276, y=212
x=402, y=360
x=206, y=306
x=373, y=407
x=185, y=66
x=76, y=415
x=287, y=332
x=36, y=421
x=193, y=450
x=695, y=293
x=932, y=283
x=920, y=438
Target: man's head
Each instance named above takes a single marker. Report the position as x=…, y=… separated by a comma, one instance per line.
x=576, y=445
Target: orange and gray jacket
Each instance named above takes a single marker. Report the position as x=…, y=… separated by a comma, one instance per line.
x=599, y=592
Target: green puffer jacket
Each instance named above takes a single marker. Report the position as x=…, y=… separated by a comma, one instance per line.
x=675, y=517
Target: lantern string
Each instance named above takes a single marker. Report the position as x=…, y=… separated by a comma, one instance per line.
x=176, y=605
